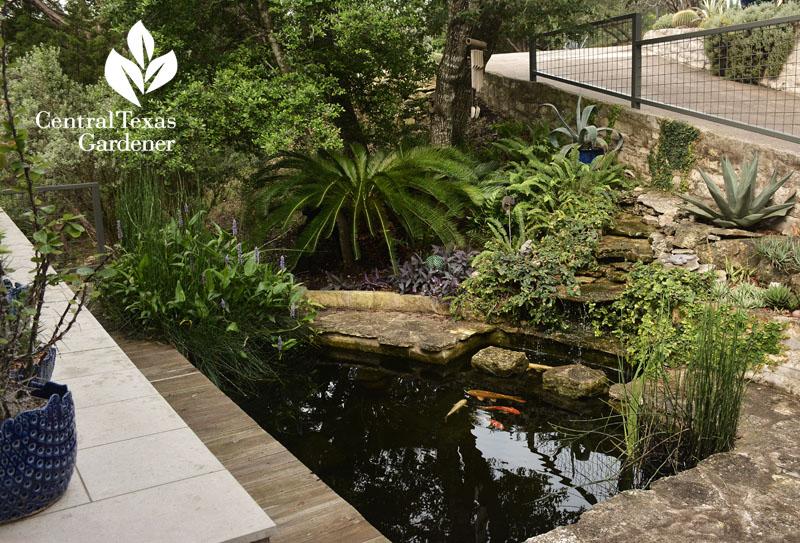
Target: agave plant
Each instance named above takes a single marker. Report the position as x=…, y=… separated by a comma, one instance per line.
x=585, y=135
x=418, y=191
x=738, y=206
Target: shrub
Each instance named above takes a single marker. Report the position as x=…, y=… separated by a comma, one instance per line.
x=420, y=191
x=520, y=281
x=438, y=275
x=231, y=312
x=665, y=21
x=543, y=193
x=749, y=56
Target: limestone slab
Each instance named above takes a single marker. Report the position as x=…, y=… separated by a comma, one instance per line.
x=74, y=496
x=104, y=388
x=79, y=364
x=129, y=466
x=123, y=420
x=211, y=508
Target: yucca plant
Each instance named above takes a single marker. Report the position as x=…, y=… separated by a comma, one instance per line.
x=738, y=206
x=584, y=135
x=419, y=191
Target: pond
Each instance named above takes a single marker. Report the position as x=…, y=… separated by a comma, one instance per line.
x=381, y=441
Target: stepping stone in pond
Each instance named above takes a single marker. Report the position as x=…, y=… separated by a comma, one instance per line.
x=500, y=362
x=575, y=381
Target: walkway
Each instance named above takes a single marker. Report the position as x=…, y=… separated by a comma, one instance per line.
x=142, y=474
x=679, y=85
x=303, y=507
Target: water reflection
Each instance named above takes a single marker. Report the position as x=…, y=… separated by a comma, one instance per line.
x=383, y=444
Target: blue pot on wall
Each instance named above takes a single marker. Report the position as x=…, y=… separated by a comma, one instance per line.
x=588, y=155
x=38, y=450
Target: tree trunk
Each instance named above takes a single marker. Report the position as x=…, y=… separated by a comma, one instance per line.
x=347, y=122
x=345, y=242
x=453, y=79
x=453, y=91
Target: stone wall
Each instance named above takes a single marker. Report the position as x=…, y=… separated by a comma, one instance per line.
x=521, y=99
x=690, y=51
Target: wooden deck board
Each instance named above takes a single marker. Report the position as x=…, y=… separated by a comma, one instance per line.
x=302, y=506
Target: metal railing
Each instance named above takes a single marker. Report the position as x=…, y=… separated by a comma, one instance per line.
x=713, y=74
x=97, y=206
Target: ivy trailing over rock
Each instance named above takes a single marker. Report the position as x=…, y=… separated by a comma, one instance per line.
x=673, y=153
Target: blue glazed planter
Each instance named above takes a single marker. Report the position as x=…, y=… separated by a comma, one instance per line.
x=588, y=155
x=38, y=449
x=42, y=370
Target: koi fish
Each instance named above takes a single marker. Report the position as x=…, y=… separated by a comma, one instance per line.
x=481, y=394
x=493, y=423
x=458, y=405
x=504, y=409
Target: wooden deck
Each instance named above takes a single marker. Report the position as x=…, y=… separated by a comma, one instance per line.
x=302, y=506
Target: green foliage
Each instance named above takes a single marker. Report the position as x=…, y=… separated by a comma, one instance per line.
x=672, y=419
x=585, y=135
x=685, y=17
x=746, y=295
x=232, y=313
x=520, y=142
x=739, y=206
x=749, y=56
x=519, y=279
x=665, y=21
x=780, y=297
x=674, y=152
x=650, y=292
x=782, y=252
x=546, y=193
x=302, y=69
x=83, y=42
x=419, y=191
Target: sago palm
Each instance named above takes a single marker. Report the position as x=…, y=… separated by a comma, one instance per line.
x=419, y=191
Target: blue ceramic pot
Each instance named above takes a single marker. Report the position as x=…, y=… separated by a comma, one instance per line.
x=588, y=155
x=43, y=370
x=38, y=449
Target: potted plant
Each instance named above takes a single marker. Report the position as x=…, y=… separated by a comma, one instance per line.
x=586, y=138
x=38, y=442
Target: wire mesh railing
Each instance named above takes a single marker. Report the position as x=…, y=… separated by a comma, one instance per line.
x=746, y=75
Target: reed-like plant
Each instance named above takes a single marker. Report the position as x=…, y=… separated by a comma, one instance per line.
x=674, y=418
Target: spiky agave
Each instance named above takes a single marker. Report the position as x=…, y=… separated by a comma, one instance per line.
x=738, y=206
x=585, y=135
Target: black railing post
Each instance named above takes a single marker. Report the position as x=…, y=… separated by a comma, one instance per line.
x=99, y=228
x=532, y=62
x=636, y=61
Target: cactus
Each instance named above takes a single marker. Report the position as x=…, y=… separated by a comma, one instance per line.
x=738, y=206
x=685, y=17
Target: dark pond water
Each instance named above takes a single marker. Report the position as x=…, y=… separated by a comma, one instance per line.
x=381, y=441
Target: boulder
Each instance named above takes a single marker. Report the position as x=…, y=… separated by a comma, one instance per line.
x=621, y=248
x=663, y=205
x=500, y=362
x=734, y=252
x=575, y=381
x=631, y=226
x=734, y=233
x=689, y=235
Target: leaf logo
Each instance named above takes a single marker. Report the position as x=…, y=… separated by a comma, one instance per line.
x=120, y=71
